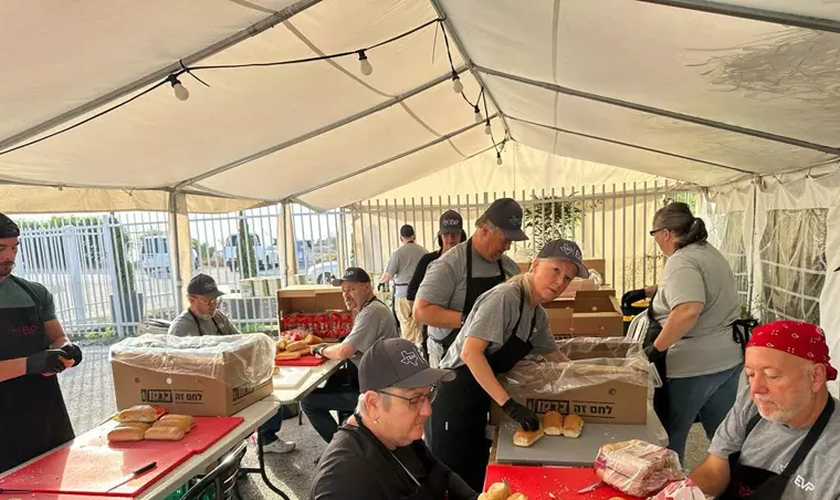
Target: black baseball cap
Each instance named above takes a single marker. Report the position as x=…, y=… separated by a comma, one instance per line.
x=565, y=250
x=506, y=214
x=397, y=363
x=451, y=222
x=8, y=228
x=352, y=275
x=203, y=285
x=407, y=231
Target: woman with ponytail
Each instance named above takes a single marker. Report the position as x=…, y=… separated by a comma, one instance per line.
x=690, y=339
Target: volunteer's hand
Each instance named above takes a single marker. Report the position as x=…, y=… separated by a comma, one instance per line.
x=318, y=350
x=48, y=361
x=653, y=354
x=73, y=352
x=526, y=418
x=381, y=287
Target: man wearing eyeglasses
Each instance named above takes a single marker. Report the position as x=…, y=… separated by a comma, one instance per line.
x=203, y=317
x=379, y=454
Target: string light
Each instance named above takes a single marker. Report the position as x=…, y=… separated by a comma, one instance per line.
x=487, y=129
x=478, y=117
x=498, y=158
x=457, y=86
x=181, y=92
x=364, y=64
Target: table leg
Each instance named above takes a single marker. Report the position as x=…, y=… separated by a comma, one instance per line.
x=261, y=470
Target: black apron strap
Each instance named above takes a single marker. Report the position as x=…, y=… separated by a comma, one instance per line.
x=521, y=311
x=810, y=440
x=31, y=292
x=198, y=323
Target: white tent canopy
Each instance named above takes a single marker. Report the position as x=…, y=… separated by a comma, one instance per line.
x=667, y=90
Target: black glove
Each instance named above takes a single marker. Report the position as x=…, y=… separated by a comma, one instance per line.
x=653, y=354
x=73, y=352
x=526, y=418
x=48, y=361
x=381, y=287
x=633, y=296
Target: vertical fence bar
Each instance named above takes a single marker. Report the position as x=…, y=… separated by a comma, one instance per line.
x=373, y=252
x=583, y=216
x=592, y=252
x=614, y=255
x=634, y=236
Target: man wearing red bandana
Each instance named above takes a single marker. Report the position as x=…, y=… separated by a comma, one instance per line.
x=781, y=440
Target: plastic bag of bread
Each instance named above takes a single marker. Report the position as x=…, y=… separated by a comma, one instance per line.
x=680, y=490
x=636, y=467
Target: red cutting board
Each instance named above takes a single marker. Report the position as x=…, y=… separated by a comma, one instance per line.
x=47, y=496
x=92, y=470
x=563, y=482
x=207, y=430
x=305, y=360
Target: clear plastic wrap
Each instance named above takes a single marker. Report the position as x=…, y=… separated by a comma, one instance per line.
x=636, y=467
x=682, y=490
x=233, y=359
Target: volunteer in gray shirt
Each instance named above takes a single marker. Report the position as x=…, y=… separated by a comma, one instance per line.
x=690, y=339
x=782, y=438
x=401, y=268
x=454, y=281
x=373, y=321
x=506, y=323
x=203, y=317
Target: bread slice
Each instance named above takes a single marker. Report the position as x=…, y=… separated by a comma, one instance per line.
x=526, y=439
x=572, y=426
x=553, y=423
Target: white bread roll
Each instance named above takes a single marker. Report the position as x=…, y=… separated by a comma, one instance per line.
x=553, y=423
x=526, y=439
x=139, y=413
x=572, y=426
x=164, y=433
x=124, y=434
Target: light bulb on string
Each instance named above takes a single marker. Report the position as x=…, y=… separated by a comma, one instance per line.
x=364, y=64
x=478, y=117
x=457, y=86
x=498, y=158
x=181, y=92
x=487, y=129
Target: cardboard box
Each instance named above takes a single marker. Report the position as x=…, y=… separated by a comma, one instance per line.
x=612, y=390
x=309, y=298
x=184, y=380
x=592, y=313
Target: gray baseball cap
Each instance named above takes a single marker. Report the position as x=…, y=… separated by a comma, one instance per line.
x=397, y=363
x=203, y=285
x=506, y=214
x=565, y=250
x=451, y=222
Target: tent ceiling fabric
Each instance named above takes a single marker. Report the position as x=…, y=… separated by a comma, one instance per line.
x=325, y=135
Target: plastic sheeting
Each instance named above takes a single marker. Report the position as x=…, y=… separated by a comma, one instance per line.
x=233, y=359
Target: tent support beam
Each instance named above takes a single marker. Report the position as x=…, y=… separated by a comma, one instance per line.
x=631, y=145
x=753, y=14
x=441, y=12
x=315, y=133
x=157, y=76
x=443, y=138
x=663, y=112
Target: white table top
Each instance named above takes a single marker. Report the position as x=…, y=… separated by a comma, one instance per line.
x=317, y=375
x=255, y=415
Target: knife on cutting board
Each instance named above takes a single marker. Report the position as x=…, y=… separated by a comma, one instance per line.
x=134, y=474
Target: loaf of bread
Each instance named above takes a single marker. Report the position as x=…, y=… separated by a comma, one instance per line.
x=637, y=468
x=298, y=345
x=139, y=413
x=143, y=426
x=283, y=356
x=553, y=423
x=124, y=433
x=164, y=433
x=496, y=491
x=572, y=425
x=526, y=439
x=313, y=339
x=183, y=422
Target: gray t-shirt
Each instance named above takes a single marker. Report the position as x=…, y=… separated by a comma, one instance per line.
x=445, y=284
x=184, y=325
x=699, y=273
x=492, y=319
x=770, y=446
x=373, y=322
x=402, y=264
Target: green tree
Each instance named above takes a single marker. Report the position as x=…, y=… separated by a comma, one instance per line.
x=247, y=254
x=550, y=218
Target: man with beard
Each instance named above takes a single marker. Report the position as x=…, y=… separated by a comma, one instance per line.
x=373, y=321
x=33, y=349
x=781, y=438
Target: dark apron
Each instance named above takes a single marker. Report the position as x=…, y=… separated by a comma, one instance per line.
x=34, y=419
x=435, y=486
x=198, y=323
x=475, y=287
x=459, y=412
x=751, y=483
